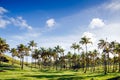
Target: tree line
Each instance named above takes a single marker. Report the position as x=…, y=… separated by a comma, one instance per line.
x=54, y=58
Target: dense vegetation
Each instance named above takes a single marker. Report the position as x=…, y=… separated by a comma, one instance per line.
x=82, y=60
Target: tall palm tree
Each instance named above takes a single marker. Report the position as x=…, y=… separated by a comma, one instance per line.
x=50, y=56
x=3, y=48
x=14, y=53
x=57, y=51
x=36, y=56
x=55, y=57
x=27, y=49
x=113, y=51
x=90, y=60
x=82, y=56
x=95, y=53
x=104, y=45
x=43, y=55
x=21, y=51
x=84, y=41
x=63, y=57
x=117, y=50
x=74, y=46
x=32, y=45
x=78, y=48
x=69, y=56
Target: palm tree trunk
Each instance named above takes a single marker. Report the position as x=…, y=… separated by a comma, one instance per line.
x=31, y=62
x=86, y=59
x=119, y=62
x=0, y=58
x=12, y=60
x=105, y=65
x=56, y=63
x=108, y=63
x=26, y=61
x=113, y=64
x=22, y=63
x=35, y=63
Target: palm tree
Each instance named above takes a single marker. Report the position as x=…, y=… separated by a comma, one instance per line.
x=90, y=60
x=113, y=51
x=78, y=48
x=117, y=50
x=63, y=57
x=14, y=53
x=43, y=55
x=95, y=53
x=57, y=51
x=82, y=56
x=69, y=56
x=21, y=51
x=32, y=45
x=3, y=47
x=105, y=46
x=84, y=41
x=27, y=49
x=74, y=46
x=35, y=55
x=55, y=57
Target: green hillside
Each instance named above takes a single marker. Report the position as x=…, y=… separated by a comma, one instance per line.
x=9, y=72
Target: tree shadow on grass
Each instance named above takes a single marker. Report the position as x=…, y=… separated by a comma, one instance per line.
x=11, y=79
x=98, y=75
x=48, y=71
x=49, y=76
x=70, y=78
x=115, y=78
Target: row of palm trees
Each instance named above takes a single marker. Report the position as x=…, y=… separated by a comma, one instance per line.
x=55, y=57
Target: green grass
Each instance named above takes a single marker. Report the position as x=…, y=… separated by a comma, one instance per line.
x=8, y=72
x=35, y=74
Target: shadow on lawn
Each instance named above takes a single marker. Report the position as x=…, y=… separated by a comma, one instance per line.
x=70, y=78
x=64, y=77
x=115, y=78
x=48, y=71
x=98, y=75
x=50, y=76
x=11, y=79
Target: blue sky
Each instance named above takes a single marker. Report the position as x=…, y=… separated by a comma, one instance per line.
x=59, y=22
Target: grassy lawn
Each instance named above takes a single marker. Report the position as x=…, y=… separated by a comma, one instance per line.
x=35, y=74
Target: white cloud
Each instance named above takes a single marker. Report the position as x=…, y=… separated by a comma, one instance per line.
x=96, y=22
x=50, y=22
x=114, y=5
x=89, y=35
x=19, y=21
x=3, y=10
x=3, y=23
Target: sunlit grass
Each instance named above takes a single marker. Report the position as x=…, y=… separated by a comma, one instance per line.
x=36, y=74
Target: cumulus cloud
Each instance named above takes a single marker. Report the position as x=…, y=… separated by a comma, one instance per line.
x=50, y=22
x=19, y=21
x=3, y=10
x=3, y=23
x=96, y=22
x=89, y=35
x=5, y=20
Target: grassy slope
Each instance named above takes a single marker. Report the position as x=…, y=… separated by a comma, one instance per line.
x=35, y=74
x=14, y=73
